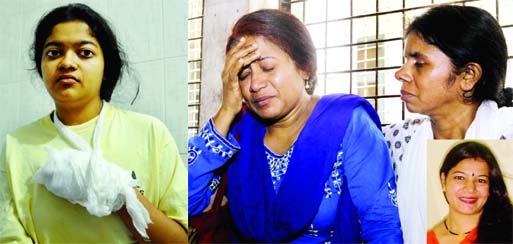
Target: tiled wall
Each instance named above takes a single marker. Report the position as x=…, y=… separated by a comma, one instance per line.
x=153, y=33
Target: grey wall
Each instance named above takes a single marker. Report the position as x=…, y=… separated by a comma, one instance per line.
x=153, y=33
x=219, y=17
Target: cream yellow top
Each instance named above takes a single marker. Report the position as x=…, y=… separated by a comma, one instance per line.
x=136, y=142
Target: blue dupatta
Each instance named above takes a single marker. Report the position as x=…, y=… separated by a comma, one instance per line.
x=262, y=215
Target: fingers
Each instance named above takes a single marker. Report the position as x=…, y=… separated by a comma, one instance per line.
x=246, y=60
x=238, y=46
x=241, y=55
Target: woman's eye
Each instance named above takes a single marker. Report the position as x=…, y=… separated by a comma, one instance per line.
x=243, y=77
x=86, y=53
x=244, y=74
x=268, y=69
x=458, y=177
x=483, y=181
x=419, y=64
x=52, y=53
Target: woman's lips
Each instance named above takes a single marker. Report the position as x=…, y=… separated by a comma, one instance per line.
x=468, y=200
x=406, y=96
x=67, y=79
x=262, y=101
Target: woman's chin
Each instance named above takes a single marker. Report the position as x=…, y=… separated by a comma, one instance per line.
x=266, y=115
x=413, y=109
x=470, y=210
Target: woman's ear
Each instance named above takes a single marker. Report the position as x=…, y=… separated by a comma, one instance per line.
x=470, y=75
x=304, y=75
x=442, y=181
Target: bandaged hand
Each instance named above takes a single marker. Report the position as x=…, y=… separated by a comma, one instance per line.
x=86, y=178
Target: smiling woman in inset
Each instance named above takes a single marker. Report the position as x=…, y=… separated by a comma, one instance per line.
x=480, y=209
x=70, y=177
x=454, y=73
x=304, y=168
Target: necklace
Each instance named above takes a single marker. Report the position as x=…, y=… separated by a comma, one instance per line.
x=460, y=236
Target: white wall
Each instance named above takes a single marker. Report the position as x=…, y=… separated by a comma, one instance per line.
x=153, y=33
x=261, y=4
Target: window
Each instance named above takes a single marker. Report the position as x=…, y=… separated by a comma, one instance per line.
x=359, y=44
x=195, y=37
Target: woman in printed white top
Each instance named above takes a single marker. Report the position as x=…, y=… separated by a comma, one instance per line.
x=454, y=73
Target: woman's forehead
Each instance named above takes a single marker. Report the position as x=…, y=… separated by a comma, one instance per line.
x=471, y=165
x=71, y=31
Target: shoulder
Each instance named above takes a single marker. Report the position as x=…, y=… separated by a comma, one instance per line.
x=26, y=144
x=501, y=119
x=343, y=100
x=408, y=126
x=36, y=129
x=348, y=105
x=135, y=119
x=399, y=135
x=134, y=126
x=362, y=117
x=361, y=111
x=437, y=232
x=132, y=115
x=431, y=237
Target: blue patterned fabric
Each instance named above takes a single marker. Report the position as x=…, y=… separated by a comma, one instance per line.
x=355, y=196
x=278, y=165
x=321, y=228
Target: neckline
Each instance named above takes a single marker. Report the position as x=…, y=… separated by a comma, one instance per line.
x=459, y=236
x=276, y=155
x=76, y=140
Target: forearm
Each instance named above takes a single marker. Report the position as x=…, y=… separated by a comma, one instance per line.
x=208, y=151
x=162, y=230
x=223, y=120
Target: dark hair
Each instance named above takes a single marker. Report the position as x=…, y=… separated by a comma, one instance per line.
x=283, y=30
x=495, y=224
x=469, y=34
x=114, y=57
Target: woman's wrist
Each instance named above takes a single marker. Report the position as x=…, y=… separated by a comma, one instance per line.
x=223, y=119
x=125, y=216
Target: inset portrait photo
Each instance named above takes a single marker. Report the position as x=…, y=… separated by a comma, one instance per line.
x=469, y=185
